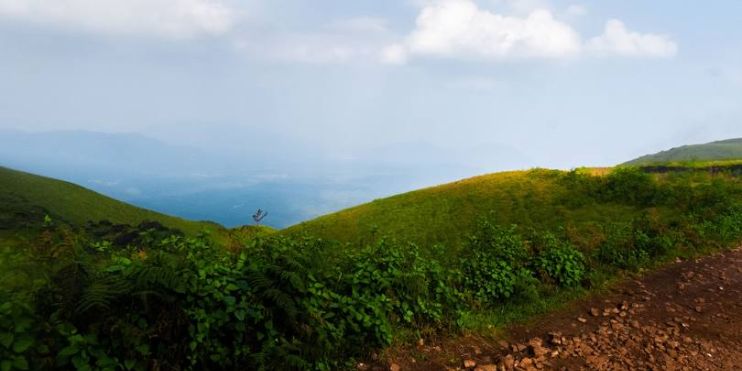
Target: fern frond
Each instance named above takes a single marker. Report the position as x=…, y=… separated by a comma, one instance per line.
x=101, y=291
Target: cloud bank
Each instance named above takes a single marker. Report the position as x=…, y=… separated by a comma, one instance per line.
x=460, y=29
x=450, y=29
x=162, y=18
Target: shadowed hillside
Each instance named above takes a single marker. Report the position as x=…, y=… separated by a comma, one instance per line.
x=27, y=199
x=730, y=149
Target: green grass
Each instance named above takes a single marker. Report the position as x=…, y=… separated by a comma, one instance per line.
x=26, y=198
x=730, y=149
x=448, y=213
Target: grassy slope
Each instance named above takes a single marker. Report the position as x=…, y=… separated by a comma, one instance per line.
x=29, y=195
x=730, y=149
x=449, y=212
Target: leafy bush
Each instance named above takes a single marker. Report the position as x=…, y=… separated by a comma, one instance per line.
x=629, y=185
x=494, y=264
x=17, y=334
x=619, y=249
x=499, y=243
x=490, y=280
x=560, y=262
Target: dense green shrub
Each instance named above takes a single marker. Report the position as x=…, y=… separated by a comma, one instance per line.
x=618, y=250
x=491, y=281
x=419, y=288
x=499, y=243
x=494, y=264
x=560, y=262
x=17, y=334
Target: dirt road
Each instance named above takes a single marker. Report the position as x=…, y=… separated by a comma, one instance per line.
x=686, y=316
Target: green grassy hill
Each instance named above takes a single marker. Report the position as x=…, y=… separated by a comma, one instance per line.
x=533, y=199
x=730, y=149
x=448, y=213
x=25, y=199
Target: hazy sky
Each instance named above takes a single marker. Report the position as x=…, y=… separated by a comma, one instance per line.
x=564, y=83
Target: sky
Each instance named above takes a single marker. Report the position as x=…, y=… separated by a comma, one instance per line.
x=550, y=83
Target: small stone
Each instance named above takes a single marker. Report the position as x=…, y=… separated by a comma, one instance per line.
x=394, y=367
x=469, y=363
x=508, y=362
x=536, y=348
x=594, y=312
x=555, y=338
x=581, y=320
x=525, y=362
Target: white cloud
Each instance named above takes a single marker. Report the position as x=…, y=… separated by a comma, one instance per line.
x=459, y=28
x=163, y=18
x=618, y=40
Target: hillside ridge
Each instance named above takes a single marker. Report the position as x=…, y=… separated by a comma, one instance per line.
x=726, y=149
x=30, y=196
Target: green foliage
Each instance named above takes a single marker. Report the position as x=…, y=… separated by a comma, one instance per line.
x=628, y=185
x=493, y=263
x=491, y=281
x=17, y=334
x=560, y=262
x=121, y=297
x=619, y=249
x=499, y=243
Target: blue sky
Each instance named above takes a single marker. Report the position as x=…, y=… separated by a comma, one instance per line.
x=549, y=83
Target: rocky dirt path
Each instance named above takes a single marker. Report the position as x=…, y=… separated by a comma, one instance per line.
x=686, y=316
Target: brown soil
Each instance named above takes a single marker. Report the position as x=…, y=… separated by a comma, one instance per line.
x=686, y=316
